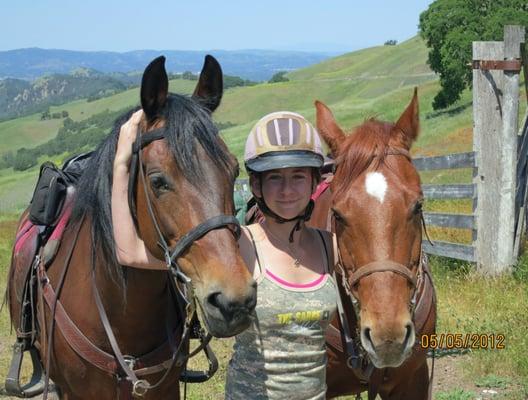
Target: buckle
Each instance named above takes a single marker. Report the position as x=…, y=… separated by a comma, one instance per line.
x=130, y=361
x=353, y=362
x=140, y=388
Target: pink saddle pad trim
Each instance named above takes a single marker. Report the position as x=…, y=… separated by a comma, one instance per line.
x=63, y=221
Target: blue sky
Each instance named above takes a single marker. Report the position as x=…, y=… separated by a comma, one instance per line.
x=332, y=25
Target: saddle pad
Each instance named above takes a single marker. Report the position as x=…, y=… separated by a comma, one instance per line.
x=52, y=244
x=27, y=243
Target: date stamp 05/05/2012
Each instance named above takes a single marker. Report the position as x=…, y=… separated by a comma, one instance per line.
x=473, y=341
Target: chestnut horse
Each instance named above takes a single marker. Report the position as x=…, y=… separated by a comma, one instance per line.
x=384, y=281
x=182, y=200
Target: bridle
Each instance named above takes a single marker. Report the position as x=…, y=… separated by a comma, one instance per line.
x=412, y=273
x=179, y=280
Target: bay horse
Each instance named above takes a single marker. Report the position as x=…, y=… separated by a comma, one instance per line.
x=110, y=324
x=388, y=300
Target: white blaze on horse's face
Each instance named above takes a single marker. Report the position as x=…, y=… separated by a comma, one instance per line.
x=376, y=185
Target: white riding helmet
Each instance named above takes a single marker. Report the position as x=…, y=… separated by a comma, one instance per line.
x=282, y=140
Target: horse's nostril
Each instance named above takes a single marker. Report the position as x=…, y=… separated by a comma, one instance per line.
x=251, y=302
x=366, y=332
x=409, y=328
x=213, y=299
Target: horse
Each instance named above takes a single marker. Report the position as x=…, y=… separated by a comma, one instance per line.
x=102, y=326
x=387, y=299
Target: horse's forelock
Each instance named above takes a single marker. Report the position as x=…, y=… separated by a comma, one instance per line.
x=367, y=144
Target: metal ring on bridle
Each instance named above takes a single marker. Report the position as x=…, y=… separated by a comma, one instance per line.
x=140, y=388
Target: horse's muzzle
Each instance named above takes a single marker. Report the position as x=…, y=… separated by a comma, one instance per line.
x=388, y=351
x=225, y=316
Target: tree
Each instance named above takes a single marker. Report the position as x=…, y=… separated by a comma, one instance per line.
x=45, y=115
x=24, y=159
x=450, y=26
x=279, y=77
x=7, y=160
x=189, y=76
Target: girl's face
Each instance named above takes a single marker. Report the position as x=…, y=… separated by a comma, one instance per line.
x=286, y=191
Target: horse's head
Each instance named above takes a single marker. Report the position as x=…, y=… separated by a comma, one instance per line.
x=377, y=207
x=188, y=180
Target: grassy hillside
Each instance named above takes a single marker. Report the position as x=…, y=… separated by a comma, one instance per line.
x=30, y=131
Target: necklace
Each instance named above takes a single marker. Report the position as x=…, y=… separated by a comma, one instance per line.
x=292, y=251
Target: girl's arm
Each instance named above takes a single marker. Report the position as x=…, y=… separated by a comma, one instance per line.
x=130, y=248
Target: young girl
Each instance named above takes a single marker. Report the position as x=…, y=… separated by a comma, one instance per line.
x=282, y=354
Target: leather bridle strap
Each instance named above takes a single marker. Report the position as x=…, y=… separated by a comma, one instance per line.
x=382, y=266
x=354, y=359
x=141, y=141
x=217, y=222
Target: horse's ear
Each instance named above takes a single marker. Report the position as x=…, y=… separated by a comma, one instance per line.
x=408, y=126
x=154, y=87
x=328, y=128
x=210, y=87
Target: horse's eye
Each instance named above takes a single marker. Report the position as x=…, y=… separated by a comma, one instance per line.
x=417, y=209
x=338, y=217
x=159, y=183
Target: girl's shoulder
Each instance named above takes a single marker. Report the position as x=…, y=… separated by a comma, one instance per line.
x=329, y=243
x=249, y=237
x=327, y=236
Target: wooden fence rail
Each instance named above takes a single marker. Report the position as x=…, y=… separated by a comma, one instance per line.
x=453, y=191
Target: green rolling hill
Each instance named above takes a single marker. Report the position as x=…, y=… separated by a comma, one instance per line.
x=376, y=82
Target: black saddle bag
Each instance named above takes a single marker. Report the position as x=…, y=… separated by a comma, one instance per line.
x=49, y=195
x=52, y=184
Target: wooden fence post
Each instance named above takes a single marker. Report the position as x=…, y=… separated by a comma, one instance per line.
x=495, y=116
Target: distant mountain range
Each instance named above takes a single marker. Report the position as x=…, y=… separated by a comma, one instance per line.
x=20, y=97
x=257, y=65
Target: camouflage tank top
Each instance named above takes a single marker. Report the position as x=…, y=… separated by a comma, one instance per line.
x=282, y=354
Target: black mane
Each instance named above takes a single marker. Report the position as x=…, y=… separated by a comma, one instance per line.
x=187, y=124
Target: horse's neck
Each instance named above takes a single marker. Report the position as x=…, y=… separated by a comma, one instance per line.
x=142, y=309
x=141, y=290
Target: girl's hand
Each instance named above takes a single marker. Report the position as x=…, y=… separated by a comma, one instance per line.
x=127, y=137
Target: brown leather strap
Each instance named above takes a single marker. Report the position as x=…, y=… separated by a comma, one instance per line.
x=382, y=266
x=53, y=306
x=75, y=338
x=505, y=65
x=157, y=359
x=426, y=297
x=333, y=338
